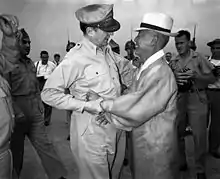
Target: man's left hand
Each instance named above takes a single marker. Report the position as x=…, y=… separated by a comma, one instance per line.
x=102, y=119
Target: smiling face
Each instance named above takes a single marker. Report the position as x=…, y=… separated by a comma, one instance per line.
x=145, y=43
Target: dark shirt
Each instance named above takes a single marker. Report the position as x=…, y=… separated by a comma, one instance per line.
x=23, y=80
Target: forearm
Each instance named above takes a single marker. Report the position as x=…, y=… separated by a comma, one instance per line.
x=60, y=100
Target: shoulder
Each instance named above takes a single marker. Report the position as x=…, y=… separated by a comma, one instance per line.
x=51, y=63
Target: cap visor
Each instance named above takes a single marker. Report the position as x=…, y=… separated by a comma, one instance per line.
x=112, y=26
x=164, y=33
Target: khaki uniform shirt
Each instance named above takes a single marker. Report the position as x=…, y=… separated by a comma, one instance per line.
x=196, y=63
x=84, y=68
x=6, y=115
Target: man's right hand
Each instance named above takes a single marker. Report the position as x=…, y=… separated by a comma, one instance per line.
x=93, y=107
x=182, y=77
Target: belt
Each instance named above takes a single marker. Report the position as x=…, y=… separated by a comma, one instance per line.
x=195, y=90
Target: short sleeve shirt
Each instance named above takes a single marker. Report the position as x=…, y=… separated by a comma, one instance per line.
x=195, y=62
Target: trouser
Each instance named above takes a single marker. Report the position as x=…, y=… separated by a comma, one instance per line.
x=129, y=152
x=214, y=130
x=193, y=107
x=47, y=108
x=32, y=125
x=68, y=116
x=92, y=154
x=47, y=113
x=6, y=165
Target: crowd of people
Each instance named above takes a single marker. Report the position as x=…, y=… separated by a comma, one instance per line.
x=134, y=110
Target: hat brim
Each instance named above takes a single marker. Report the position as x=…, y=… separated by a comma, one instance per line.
x=164, y=33
x=210, y=44
x=111, y=26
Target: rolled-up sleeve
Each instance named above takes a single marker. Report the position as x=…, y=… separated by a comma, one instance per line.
x=63, y=77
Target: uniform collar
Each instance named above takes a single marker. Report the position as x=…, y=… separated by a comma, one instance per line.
x=192, y=54
x=151, y=60
x=93, y=48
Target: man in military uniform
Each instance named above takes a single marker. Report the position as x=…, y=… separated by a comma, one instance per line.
x=214, y=98
x=6, y=126
x=90, y=66
x=193, y=74
x=29, y=118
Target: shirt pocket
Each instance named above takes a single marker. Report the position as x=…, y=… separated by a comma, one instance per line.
x=95, y=72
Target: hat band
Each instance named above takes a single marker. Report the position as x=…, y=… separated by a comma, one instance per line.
x=153, y=27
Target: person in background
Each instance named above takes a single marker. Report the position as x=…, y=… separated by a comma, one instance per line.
x=9, y=54
x=214, y=99
x=56, y=59
x=44, y=69
x=115, y=47
x=69, y=46
x=168, y=57
x=29, y=114
x=129, y=48
x=193, y=74
x=6, y=126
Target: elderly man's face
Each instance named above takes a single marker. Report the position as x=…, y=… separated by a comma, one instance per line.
x=144, y=44
x=101, y=38
x=215, y=49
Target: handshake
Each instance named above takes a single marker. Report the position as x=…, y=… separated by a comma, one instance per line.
x=95, y=105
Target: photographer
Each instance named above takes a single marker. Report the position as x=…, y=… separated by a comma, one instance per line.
x=193, y=74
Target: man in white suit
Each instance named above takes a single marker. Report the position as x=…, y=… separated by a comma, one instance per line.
x=150, y=107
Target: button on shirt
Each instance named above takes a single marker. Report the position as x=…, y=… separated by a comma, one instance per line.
x=44, y=70
x=84, y=68
x=23, y=79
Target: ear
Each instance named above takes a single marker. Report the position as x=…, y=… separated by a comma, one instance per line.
x=90, y=31
x=154, y=40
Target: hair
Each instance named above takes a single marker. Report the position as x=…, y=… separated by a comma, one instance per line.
x=68, y=46
x=56, y=55
x=83, y=27
x=24, y=33
x=169, y=53
x=44, y=52
x=184, y=32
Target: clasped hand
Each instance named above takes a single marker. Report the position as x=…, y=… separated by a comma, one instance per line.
x=102, y=118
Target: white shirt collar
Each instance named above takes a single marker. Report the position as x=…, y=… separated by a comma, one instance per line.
x=149, y=61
